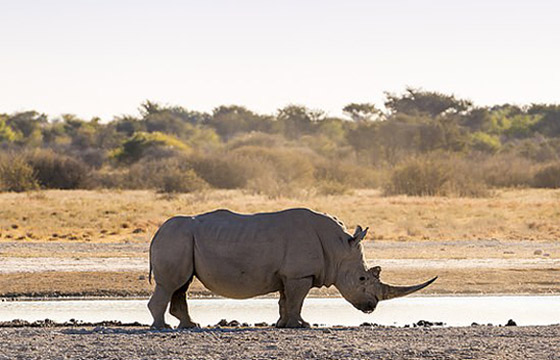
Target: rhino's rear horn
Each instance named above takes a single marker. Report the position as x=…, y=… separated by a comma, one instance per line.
x=390, y=291
x=359, y=235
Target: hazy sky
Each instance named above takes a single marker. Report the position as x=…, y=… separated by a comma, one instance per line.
x=105, y=57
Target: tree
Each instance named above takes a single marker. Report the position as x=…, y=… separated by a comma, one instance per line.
x=476, y=119
x=128, y=125
x=149, y=107
x=232, y=120
x=138, y=145
x=296, y=120
x=362, y=112
x=174, y=120
x=6, y=133
x=418, y=101
x=27, y=123
x=549, y=124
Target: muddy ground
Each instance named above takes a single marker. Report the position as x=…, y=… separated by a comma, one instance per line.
x=367, y=342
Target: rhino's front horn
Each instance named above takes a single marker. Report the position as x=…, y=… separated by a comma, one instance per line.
x=390, y=291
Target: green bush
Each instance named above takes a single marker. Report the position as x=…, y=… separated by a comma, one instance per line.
x=485, y=142
x=16, y=174
x=548, y=177
x=6, y=132
x=134, y=148
x=56, y=171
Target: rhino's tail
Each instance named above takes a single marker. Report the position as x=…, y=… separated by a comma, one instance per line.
x=150, y=273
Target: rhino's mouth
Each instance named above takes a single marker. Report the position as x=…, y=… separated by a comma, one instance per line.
x=367, y=307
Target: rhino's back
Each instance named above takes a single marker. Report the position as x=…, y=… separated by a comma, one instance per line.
x=241, y=256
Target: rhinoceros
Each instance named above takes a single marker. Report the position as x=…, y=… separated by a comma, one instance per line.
x=241, y=256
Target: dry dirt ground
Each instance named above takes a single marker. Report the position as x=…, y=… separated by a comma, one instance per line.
x=482, y=342
x=95, y=243
x=105, y=269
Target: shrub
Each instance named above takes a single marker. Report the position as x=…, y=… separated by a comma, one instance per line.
x=56, y=171
x=220, y=170
x=352, y=176
x=435, y=176
x=418, y=177
x=109, y=178
x=537, y=148
x=485, y=142
x=176, y=180
x=92, y=157
x=505, y=171
x=548, y=177
x=16, y=174
x=332, y=188
x=256, y=138
x=165, y=175
x=276, y=172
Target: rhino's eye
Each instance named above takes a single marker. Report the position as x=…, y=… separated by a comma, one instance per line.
x=362, y=278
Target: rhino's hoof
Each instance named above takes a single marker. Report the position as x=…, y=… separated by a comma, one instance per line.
x=292, y=324
x=188, y=325
x=160, y=326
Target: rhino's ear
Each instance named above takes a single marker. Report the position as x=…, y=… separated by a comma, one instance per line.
x=375, y=271
x=358, y=236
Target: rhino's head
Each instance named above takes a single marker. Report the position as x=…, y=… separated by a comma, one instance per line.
x=361, y=286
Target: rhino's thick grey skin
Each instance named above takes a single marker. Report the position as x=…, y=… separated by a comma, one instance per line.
x=242, y=256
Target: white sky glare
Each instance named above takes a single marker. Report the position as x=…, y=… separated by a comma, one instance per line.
x=103, y=58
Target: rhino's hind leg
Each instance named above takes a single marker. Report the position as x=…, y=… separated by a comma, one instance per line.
x=291, y=301
x=157, y=305
x=282, y=307
x=179, y=307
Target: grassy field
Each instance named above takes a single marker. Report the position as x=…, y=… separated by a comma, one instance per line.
x=131, y=216
x=517, y=231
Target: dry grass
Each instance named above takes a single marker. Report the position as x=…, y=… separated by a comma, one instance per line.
x=133, y=216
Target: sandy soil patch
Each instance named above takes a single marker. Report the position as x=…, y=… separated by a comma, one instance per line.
x=39, y=264
x=54, y=269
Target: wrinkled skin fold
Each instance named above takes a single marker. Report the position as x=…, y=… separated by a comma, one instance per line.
x=243, y=256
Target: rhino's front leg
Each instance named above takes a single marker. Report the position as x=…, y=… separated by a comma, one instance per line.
x=291, y=301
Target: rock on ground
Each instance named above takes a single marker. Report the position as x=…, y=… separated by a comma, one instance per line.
x=480, y=342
